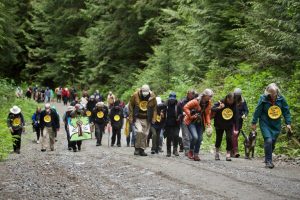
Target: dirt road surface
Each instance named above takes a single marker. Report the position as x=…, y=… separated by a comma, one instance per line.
x=115, y=173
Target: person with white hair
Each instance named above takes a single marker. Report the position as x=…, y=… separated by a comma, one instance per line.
x=197, y=119
x=16, y=125
x=99, y=119
x=242, y=113
x=269, y=110
x=49, y=125
x=142, y=112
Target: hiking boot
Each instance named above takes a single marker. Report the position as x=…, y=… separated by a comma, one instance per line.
x=97, y=144
x=142, y=153
x=136, y=152
x=191, y=154
x=196, y=157
x=74, y=150
x=119, y=145
x=217, y=156
x=152, y=152
x=175, y=152
x=168, y=153
x=228, y=156
x=79, y=148
x=269, y=165
x=43, y=150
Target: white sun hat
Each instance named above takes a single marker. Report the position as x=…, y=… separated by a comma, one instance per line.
x=15, y=110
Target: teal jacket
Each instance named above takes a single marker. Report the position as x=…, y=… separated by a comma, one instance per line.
x=270, y=128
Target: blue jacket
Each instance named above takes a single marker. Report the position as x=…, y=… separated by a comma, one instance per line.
x=270, y=128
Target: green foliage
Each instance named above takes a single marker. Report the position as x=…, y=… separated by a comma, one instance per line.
x=8, y=99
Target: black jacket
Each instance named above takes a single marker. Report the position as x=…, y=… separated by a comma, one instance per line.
x=173, y=112
x=219, y=121
x=10, y=119
x=116, y=122
x=54, y=120
x=96, y=120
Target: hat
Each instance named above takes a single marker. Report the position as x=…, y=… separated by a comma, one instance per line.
x=15, y=110
x=172, y=96
x=92, y=97
x=100, y=104
x=158, y=100
x=237, y=91
x=70, y=108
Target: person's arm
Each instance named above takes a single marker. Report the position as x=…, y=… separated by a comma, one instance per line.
x=216, y=107
x=286, y=112
x=190, y=105
x=22, y=119
x=246, y=110
x=154, y=112
x=131, y=109
x=208, y=114
x=8, y=121
x=33, y=118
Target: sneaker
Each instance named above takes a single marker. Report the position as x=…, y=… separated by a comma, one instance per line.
x=74, y=150
x=132, y=145
x=43, y=150
x=128, y=145
x=119, y=145
x=79, y=148
x=52, y=149
x=228, y=156
x=269, y=165
x=37, y=141
x=237, y=155
x=191, y=154
x=97, y=144
x=69, y=148
x=152, y=152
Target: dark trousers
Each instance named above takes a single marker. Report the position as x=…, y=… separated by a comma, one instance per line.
x=99, y=130
x=116, y=132
x=37, y=131
x=172, y=133
x=17, y=139
x=155, y=138
x=65, y=99
x=219, y=134
x=76, y=145
x=68, y=136
x=269, y=145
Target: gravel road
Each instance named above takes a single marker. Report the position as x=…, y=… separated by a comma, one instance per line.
x=115, y=173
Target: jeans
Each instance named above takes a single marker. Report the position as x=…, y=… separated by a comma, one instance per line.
x=196, y=131
x=186, y=136
x=37, y=129
x=269, y=145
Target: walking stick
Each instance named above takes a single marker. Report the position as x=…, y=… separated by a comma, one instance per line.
x=109, y=129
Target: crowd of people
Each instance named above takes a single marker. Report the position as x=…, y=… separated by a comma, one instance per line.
x=146, y=117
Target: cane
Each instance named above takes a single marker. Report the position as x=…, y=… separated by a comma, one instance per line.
x=108, y=129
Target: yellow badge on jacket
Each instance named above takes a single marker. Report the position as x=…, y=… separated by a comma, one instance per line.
x=158, y=118
x=143, y=105
x=100, y=114
x=47, y=118
x=117, y=118
x=227, y=114
x=16, y=122
x=88, y=113
x=274, y=112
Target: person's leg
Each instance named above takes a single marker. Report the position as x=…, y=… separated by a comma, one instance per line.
x=228, y=143
x=185, y=137
x=79, y=143
x=175, y=140
x=68, y=137
x=149, y=137
x=268, y=146
x=194, y=139
x=44, y=139
x=169, y=140
x=119, y=137
x=97, y=134
x=133, y=135
x=139, y=131
x=51, y=138
x=199, y=131
x=128, y=139
x=154, y=139
x=145, y=132
x=102, y=131
x=113, y=137
x=219, y=136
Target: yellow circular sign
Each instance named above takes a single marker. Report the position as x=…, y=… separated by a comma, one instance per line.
x=227, y=114
x=143, y=105
x=117, y=118
x=47, y=118
x=158, y=118
x=88, y=113
x=274, y=112
x=100, y=114
x=16, y=122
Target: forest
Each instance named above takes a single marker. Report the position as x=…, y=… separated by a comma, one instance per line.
x=172, y=45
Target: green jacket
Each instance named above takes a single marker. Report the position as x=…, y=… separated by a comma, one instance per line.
x=271, y=128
